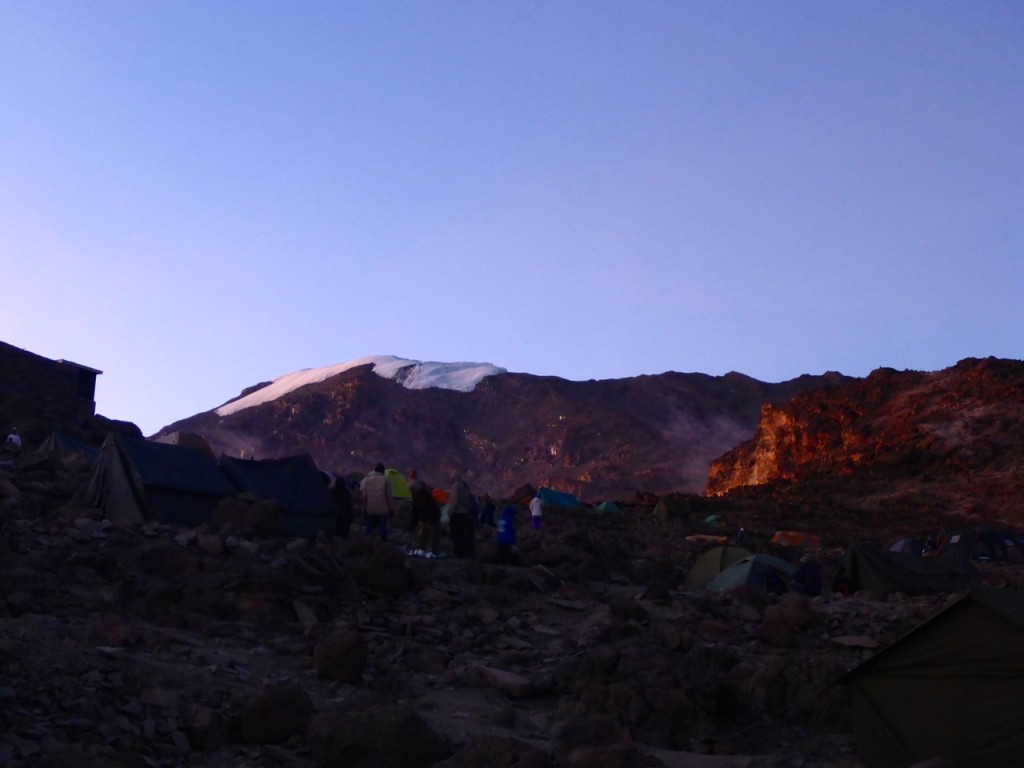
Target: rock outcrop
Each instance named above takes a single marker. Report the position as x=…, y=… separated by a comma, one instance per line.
x=948, y=442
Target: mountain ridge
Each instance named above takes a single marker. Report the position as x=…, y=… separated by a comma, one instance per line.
x=655, y=433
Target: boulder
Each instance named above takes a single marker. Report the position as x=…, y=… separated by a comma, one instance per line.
x=275, y=714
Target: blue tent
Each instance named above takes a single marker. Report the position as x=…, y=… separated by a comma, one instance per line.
x=552, y=498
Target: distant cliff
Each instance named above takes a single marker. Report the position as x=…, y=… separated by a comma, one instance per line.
x=953, y=437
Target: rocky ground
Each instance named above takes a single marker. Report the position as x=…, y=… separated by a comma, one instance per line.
x=218, y=647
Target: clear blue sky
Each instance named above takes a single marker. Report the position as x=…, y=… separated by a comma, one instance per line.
x=198, y=196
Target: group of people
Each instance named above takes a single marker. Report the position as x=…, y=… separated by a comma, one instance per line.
x=463, y=513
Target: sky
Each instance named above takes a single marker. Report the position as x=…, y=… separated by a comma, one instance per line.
x=196, y=197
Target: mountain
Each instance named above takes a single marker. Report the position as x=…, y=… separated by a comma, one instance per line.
x=944, y=444
x=597, y=439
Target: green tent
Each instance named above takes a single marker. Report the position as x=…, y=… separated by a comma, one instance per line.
x=752, y=572
x=712, y=563
x=610, y=507
x=949, y=688
x=867, y=567
x=137, y=481
x=294, y=484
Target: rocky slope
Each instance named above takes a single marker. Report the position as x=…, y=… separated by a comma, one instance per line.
x=931, y=445
x=219, y=647
x=597, y=439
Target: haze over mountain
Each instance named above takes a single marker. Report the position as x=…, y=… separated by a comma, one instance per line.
x=610, y=438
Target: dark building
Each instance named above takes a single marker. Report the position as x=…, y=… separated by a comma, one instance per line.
x=36, y=389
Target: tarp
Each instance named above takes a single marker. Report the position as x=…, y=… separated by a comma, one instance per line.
x=137, y=481
x=294, y=484
x=712, y=563
x=867, y=567
x=552, y=498
x=752, y=572
x=950, y=688
x=399, y=486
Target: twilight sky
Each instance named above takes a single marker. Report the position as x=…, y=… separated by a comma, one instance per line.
x=199, y=196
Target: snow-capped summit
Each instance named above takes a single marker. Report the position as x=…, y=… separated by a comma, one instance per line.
x=412, y=374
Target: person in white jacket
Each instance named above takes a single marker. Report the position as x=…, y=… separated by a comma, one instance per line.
x=536, y=513
x=378, y=503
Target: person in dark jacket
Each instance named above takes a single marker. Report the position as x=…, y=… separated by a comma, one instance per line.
x=342, y=496
x=428, y=516
x=461, y=520
x=807, y=579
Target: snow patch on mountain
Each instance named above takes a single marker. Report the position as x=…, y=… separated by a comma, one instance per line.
x=411, y=374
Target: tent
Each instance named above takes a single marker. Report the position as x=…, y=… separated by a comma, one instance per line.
x=399, y=486
x=60, y=449
x=867, y=567
x=136, y=481
x=798, y=539
x=950, y=688
x=712, y=563
x=984, y=544
x=608, y=506
x=188, y=439
x=552, y=498
x=911, y=546
x=752, y=572
x=295, y=484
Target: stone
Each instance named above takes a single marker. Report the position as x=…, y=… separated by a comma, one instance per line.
x=275, y=714
x=341, y=656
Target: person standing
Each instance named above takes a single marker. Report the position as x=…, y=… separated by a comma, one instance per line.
x=536, y=513
x=460, y=516
x=342, y=496
x=426, y=511
x=506, y=537
x=377, y=500
x=13, y=443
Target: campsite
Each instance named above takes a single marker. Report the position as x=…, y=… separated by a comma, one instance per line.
x=198, y=611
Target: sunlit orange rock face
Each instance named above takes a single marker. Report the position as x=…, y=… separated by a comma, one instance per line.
x=950, y=441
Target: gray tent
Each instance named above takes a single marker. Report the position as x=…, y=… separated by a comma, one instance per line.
x=712, y=563
x=753, y=573
x=949, y=688
x=137, y=481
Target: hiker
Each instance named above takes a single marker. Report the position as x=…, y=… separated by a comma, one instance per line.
x=13, y=443
x=428, y=514
x=378, y=502
x=774, y=584
x=460, y=518
x=487, y=510
x=536, y=513
x=807, y=579
x=342, y=496
x=506, y=537
x=415, y=484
